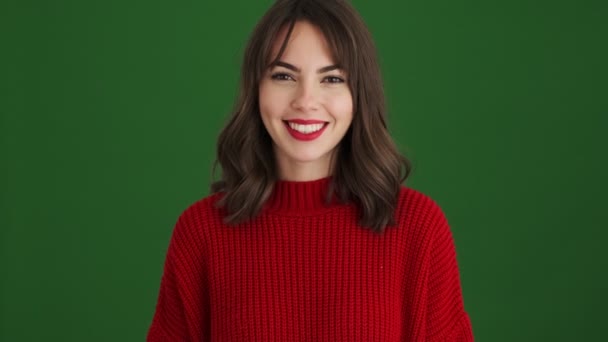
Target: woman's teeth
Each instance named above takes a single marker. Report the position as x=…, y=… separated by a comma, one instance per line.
x=306, y=129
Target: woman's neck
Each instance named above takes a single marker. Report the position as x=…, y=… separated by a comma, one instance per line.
x=303, y=171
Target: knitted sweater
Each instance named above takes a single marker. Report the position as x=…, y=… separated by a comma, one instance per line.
x=304, y=271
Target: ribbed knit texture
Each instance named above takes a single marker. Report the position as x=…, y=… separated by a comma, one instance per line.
x=304, y=271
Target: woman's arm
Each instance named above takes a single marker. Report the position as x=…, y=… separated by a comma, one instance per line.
x=182, y=308
x=447, y=320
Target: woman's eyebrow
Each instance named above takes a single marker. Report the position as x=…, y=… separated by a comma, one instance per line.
x=296, y=69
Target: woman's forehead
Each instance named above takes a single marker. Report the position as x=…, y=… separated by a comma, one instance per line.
x=307, y=43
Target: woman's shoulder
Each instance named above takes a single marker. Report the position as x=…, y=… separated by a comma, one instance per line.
x=414, y=197
x=417, y=207
x=203, y=212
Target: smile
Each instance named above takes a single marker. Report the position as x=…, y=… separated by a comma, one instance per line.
x=305, y=132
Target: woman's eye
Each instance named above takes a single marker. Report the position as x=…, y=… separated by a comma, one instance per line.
x=281, y=77
x=333, y=79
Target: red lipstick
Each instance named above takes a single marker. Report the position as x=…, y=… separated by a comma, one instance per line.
x=305, y=136
x=306, y=122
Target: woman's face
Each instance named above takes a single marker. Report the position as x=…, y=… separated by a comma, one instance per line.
x=305, y=104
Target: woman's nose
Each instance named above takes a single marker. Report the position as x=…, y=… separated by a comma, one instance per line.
x=306, y=97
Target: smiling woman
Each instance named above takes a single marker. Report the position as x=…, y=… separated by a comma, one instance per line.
x=310, y=60
x=305, y=104
x=309, y=234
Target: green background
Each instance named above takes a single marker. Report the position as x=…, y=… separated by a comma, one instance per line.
x=110, y=112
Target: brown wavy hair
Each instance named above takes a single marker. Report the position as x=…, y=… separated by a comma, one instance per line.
x=367, y=167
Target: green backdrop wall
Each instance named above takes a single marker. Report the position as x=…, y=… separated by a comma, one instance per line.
x=110, y=111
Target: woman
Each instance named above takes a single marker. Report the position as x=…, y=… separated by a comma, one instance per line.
x=308, y=235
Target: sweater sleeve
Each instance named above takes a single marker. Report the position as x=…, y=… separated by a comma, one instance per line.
x=182, y=308
x=447, y=320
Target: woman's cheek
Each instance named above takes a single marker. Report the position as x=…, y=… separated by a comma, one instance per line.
x=342, y=104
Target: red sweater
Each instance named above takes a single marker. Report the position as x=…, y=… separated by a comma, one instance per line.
x=303, y=271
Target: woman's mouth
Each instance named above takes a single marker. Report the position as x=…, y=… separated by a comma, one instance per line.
x=305, y=130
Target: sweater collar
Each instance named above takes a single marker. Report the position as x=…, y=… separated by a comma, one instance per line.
x=300, y=197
